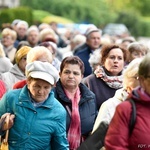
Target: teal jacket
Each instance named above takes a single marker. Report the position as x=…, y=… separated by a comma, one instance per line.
x=40, y=128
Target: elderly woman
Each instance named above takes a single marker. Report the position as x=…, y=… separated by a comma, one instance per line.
x=53, y=49
x=107, y=78
x=130, y=81
x=136, y=50
x=4, y=61
x=37, y=120
x=77, y=99
x=8, y=39
x=119, y=126
x=38, y=53
x=17, y=72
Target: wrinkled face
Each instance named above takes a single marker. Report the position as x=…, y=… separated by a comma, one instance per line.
x=94, y=40
x=21, y=31
x=114, y=62
x=33, y=37
x=39, y=89
x=136, y=54
x=7, y=40
x=71, y=76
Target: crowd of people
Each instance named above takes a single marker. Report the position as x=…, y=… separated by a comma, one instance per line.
x=58, y=88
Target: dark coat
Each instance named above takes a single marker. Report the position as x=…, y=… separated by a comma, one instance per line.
x=102, y=91
x=84, y=55
x=87, y=106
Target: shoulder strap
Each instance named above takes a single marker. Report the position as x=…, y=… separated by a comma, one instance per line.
x=133, y=116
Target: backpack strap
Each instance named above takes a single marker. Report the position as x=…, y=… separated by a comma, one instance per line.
x=133, y=116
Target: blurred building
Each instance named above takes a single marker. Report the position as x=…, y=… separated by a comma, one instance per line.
x=9, y=3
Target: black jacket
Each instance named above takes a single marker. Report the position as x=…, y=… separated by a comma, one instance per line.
x=87, y=106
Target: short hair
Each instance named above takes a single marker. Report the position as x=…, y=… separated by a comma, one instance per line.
x=95, y=58
x=45, y=32
x=37, y=52
x=74, y=60
x=22, y=43
x=107, y=48
x=130, y=73
x=47, y=44
x=22, y=22
x=8, y=31
x=32, y=28
x=144, y=67
x=136, y=46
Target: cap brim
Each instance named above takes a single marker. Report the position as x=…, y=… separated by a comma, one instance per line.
x=43, y=76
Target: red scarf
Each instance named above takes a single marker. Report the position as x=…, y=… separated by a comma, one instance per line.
x=74, y=133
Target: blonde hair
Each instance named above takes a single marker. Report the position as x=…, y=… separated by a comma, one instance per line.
x=47, y=31
x=37, y=52
x=130, y=73
x=10, y=32
x=21, y=53
x=2, y=53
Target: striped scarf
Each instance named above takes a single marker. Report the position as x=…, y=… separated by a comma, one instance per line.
x=74, y=133
x=114, y=82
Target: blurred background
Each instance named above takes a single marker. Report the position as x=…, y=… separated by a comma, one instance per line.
x=131, y=15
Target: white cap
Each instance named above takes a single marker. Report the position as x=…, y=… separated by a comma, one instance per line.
x=42, y=70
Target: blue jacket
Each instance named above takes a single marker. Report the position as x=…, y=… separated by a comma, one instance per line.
x=84, y=55
x=40, y=128
x=87, y=107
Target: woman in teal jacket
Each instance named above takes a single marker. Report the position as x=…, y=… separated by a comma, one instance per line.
x=37, y=120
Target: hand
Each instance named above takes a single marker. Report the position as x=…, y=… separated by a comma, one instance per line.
x=9, y=120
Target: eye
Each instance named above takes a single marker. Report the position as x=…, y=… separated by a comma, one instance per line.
x=76, y=73
x=120, y=58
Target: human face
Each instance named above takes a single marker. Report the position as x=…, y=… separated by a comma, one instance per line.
x=114, y=62
x=7, y=40
x=71, y=76
x=94, y=40
x=21, y=31
x=145, y=83
x=33, y=37
x=136, y=54
x=39, y=89
x=22, y=63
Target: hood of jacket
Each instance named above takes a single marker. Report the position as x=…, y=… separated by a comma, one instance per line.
x=138, y=94
x=17, y=72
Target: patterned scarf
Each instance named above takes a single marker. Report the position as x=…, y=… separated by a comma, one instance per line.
x=74, y=133
x=114, y=82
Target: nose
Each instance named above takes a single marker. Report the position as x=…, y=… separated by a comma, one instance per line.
x=116, y=59
x=71, y=75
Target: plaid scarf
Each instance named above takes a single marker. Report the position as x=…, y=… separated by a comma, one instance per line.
x=74, y=133
x=114, y=82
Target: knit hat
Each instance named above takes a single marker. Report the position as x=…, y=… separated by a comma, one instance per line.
x=21, y=52
x=42, y=70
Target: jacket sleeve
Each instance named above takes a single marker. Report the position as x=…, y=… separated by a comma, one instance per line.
x=103, y=116
x=59, y=139
x=118, y=132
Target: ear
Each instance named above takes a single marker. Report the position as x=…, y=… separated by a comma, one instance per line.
x=60, y=74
